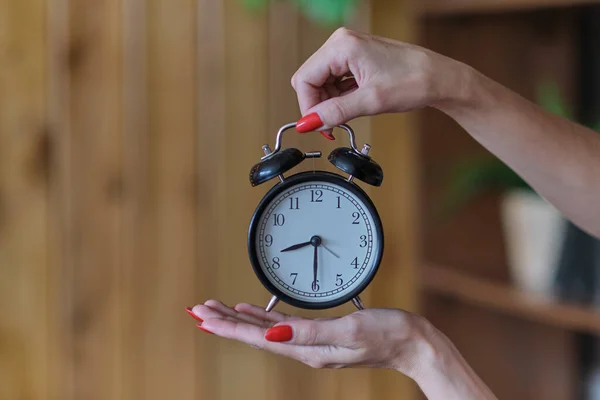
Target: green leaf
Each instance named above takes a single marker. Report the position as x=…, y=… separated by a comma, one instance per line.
x=255, y=4
x=550, y=99
x=330, y=12
x=471, y=178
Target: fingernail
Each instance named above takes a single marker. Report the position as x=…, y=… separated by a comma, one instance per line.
x=281, y=333
x=203, y=329
x=189, y=311
x=308, y=123
x=327, y=135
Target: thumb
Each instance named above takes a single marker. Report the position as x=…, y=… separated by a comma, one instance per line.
x=339, y=110
x=310, y=332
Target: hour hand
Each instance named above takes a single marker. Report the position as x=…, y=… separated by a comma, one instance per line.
x=296, y=246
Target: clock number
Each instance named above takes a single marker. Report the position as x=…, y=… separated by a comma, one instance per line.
x=338, y=280
x=294, y=275
x=315, y=286
x=269, y=240
x=339, y=205
x=276, y=264
x=278, y=219
x=315, y=196
x=363, y=240
x=294, y=203
x=355, y=262
x=356, y=216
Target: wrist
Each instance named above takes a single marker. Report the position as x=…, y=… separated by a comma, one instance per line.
x=458, y=90
x=427, y=351
x=439, y=369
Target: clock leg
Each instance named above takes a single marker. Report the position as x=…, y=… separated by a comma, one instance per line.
x=272, y=303
x=358, y=303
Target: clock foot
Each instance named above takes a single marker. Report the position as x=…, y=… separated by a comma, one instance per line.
x=272, y=303
x=358, y=303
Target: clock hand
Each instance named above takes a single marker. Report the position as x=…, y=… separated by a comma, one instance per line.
x=315, y=268
x=316, y=242
x=327, y=248
x=296, y=246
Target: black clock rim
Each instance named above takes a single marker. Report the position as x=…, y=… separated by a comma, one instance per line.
x=301, y=177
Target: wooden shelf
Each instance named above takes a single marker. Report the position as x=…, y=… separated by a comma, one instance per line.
x=500, y=298
x=450, y=7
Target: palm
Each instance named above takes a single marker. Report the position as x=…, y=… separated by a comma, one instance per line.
x=352, y=340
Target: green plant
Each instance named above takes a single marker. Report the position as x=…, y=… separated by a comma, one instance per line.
x=325, y=12
x=471, y=178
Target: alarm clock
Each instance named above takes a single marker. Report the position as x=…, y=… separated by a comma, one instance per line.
x=315, y=240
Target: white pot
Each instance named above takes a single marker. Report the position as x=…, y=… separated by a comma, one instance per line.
x=534, y=232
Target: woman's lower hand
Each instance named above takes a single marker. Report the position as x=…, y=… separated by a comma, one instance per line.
x=356, y=74
x=379, y=338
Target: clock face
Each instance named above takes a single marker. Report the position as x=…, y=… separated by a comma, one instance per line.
x=316, y=240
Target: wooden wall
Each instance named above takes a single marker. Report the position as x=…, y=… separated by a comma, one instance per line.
x=127, y=130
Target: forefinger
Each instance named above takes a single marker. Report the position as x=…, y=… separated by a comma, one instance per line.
x=308, y=80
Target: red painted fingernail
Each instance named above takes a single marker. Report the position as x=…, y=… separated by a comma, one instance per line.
x=204, y=329
x=327, y=135
x=189, y=311
x=308, y=123
x=281, y=333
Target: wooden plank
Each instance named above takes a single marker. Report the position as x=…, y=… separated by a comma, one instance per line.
x=507, y=300
x=94, y=61
x=283, y=63
x=60, y=232
x=135, y=226
x=246, y=124
x=456, y=7
x=167, y=275
x=24, y=173
x=394, y=147
x=211, y=182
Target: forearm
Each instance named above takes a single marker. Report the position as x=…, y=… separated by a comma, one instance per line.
x=445, y=375
x=558, y=158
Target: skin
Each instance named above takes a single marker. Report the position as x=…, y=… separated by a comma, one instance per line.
x=355, y=74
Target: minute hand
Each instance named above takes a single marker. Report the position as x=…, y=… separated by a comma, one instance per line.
x=315, y=269
x=296, y=246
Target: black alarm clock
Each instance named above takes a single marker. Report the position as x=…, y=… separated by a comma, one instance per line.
x=315, y=240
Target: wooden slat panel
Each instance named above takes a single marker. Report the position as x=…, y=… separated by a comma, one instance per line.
x=212, y=183
x=166, y=277
x=96, y=191
x=246, y=105
x=136, y=214
x=154, y=113
x=24, y=163
x=60, y=262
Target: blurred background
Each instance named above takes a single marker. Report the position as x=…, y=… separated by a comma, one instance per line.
x=127, y=131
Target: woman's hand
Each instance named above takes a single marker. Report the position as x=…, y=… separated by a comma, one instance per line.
x=355, y=74
x=376, y=338
x=380, y=338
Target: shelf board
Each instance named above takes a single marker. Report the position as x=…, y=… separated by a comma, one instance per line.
x=511, y=301
x=451, y=7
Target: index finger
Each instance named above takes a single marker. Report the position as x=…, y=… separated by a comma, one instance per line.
x=308, y=80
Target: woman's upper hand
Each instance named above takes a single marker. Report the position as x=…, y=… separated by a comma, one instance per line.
x=381, y=338
x=355, y=74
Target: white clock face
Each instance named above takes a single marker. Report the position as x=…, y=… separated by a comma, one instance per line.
x=317, y=241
